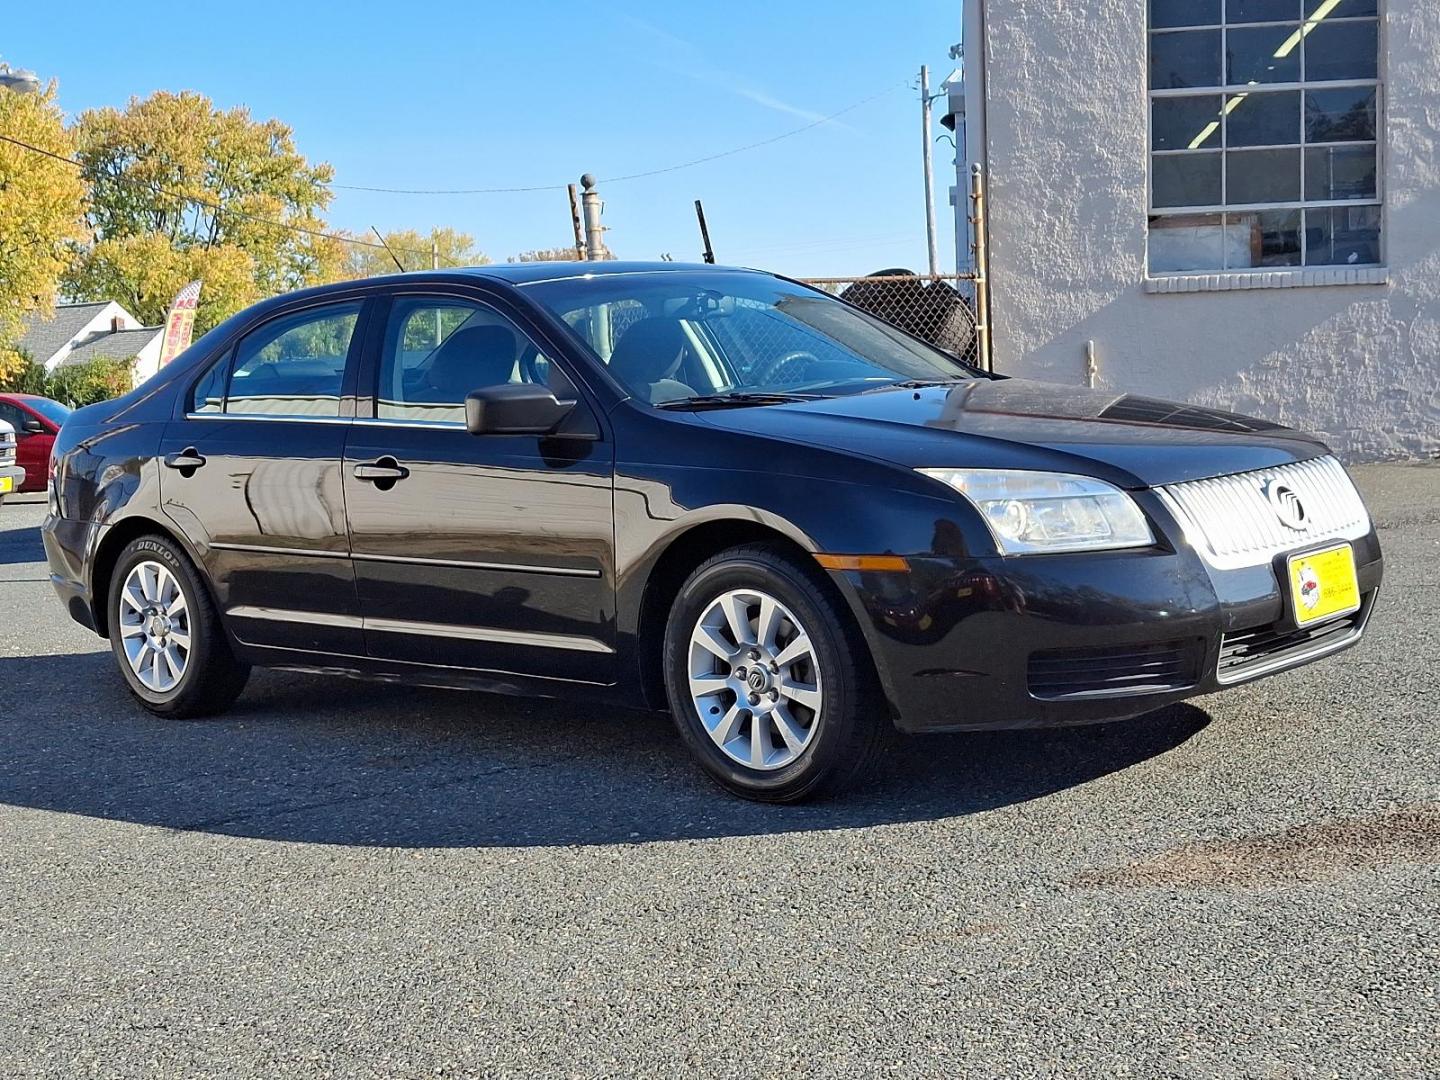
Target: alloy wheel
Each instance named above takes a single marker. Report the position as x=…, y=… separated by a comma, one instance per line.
x=154, y=626
x=754, y=679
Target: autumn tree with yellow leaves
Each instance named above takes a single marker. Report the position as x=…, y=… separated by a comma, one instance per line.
x=41, y=219
x=180, y=190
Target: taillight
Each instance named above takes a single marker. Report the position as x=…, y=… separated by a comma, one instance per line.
x=52, y=491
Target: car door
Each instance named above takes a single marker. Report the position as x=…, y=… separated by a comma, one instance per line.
x=489, y=552
x=252, y=477
x=34, y=436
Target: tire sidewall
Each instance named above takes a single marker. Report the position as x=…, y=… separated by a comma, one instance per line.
x=152, y=549
x=836, y=719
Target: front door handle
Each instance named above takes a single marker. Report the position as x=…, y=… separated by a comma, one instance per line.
x=187, y=460
x=383, y=473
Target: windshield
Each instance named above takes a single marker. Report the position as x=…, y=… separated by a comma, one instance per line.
x=51, y=410
x=672, y=336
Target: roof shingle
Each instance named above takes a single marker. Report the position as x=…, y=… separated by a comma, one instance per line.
x=116, y=345
x=43, y=338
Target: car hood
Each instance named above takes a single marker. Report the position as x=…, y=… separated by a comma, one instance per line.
x=1015, y=423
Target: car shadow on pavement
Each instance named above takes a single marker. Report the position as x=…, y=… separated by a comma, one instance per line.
x=335, y=761
x=21, y=546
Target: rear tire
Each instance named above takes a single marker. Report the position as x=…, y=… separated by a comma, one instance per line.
x=166, y=634
x=769, y=686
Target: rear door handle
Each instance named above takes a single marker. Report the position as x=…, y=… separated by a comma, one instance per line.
x=383, y=473
x=187, y=460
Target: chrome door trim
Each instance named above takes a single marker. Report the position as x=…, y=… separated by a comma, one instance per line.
x=314, y=618
x=262, y=549
x=424, y=629
x=277, y=418
x=484, y=633
x=424, y=425
x=461, y=564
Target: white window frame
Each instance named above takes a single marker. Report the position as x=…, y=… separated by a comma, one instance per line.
x=1304, y=274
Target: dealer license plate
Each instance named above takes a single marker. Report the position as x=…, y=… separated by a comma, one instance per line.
x=1323, y=584
x=6, y=484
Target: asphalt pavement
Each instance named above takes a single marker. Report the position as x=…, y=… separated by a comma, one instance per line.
x=342, y=878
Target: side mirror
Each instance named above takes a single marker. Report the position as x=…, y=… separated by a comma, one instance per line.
x=31, y=426
x=514, y=409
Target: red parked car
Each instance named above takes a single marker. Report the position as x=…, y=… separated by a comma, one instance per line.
x=35, y=420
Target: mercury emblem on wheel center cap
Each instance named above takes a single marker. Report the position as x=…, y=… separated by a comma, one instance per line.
x=758, y=679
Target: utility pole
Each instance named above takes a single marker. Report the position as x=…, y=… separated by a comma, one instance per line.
x=594, y=231
x=930, y=242
x=435, y=265
x=575, y=222
x=601, y=331
x=709, y=253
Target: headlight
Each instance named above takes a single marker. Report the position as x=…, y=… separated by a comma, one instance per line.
x=1031, y=512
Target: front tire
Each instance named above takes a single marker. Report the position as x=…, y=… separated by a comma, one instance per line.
x=771, y=689
x=166, y=634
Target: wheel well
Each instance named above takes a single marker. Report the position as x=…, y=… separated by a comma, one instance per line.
x=675, y=564
x=108, y=554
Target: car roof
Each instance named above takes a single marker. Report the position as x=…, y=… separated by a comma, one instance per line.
x=526, y=272
x=510, y=274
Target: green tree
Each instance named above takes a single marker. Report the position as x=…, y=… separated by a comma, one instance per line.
x=41, y=218
x=412, y=248
x=99, y=379
x=85, y=383
x=24, y=376
x=216, y=188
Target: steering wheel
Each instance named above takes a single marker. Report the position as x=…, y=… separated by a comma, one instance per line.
x=803, y=357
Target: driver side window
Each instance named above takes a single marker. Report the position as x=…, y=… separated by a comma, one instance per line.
x=438, y=349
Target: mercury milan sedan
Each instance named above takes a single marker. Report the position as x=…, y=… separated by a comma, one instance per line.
x=712, y=491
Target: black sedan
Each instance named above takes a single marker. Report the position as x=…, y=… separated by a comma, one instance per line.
x=714, y=491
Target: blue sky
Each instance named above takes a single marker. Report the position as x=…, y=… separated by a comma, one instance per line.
x=439, y=94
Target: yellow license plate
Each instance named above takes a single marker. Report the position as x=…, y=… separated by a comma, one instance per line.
x=1323, y=584
x=6, y=483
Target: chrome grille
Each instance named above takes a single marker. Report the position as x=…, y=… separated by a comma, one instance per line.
x=7, y=449
x=1231, y=523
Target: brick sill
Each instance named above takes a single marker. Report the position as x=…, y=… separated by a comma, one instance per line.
x=1267, y=279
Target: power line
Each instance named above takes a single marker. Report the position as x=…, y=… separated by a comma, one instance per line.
x=629, y=176
x=210, y=204
x=220, y=208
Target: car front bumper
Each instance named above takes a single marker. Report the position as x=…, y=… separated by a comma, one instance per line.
x=1054, y=640
x=15, y=475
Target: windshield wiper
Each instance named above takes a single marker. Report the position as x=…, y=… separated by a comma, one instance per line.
x=722, y=401
x=916, y=384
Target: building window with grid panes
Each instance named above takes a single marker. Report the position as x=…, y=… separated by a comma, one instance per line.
x=1264, y=134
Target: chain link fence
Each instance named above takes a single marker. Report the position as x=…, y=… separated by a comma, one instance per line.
x=935, y=309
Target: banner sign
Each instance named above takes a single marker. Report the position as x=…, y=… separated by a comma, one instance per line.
x=180, y=323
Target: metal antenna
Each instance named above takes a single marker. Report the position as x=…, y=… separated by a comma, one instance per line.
x=398, y=263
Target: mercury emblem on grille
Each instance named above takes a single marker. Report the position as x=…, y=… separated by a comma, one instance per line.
x=1286, y=504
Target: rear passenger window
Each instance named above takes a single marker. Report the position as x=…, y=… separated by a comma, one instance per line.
x=290, y=367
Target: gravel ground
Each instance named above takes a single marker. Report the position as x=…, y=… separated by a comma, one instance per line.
x=347, y=879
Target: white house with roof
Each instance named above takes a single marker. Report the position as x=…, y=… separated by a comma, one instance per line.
x=1231, y=202
x=80, y=332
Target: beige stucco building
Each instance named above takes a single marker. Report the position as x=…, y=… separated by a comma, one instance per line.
x=1236, y=201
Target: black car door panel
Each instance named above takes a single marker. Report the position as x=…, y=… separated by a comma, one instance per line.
x=485, y=552
x=254, y=467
